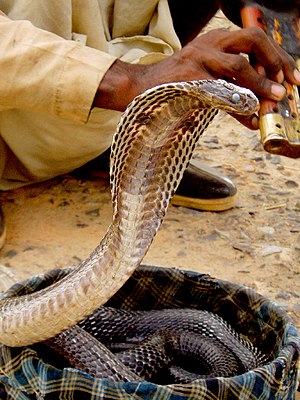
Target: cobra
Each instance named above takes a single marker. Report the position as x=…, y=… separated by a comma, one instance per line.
x=153, y=143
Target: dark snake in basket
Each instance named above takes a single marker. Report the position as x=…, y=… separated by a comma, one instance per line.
x=152, y=146
x=162, y=346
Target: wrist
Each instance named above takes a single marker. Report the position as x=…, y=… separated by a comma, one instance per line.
x=119, y=86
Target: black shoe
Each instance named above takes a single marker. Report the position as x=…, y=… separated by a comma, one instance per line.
x=97, y=168
x=202, y=188
x=2, y=229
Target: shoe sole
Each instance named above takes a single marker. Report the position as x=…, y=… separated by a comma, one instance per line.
x=204, y=204
x=2, y=238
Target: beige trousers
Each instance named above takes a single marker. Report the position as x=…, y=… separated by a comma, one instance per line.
x=54, y=54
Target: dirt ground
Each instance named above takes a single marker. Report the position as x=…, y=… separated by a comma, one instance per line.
x=57, y=223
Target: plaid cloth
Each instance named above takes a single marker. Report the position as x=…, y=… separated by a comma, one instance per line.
x=25, y=376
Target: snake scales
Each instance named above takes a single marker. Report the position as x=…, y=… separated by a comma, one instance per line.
x=162, y=346
x=152, y=146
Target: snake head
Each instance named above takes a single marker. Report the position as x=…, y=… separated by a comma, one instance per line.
x=227, y=96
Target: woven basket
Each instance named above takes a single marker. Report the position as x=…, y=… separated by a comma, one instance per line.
x=25, y=376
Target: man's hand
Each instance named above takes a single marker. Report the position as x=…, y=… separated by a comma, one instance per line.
x=217, y=54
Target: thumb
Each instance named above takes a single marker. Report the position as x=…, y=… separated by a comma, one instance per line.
x=249, y=121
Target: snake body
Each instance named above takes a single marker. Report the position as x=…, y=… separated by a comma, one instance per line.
x=152, y=146
x=162, y=346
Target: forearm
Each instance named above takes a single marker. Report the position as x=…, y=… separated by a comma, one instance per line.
x=46, y=73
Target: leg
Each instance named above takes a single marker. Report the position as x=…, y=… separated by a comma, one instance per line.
x=190, y=16
x=38, y=147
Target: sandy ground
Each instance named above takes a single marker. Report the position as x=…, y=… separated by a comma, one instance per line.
x=57, y=223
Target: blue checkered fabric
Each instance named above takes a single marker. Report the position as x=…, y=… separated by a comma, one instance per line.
x=26, y=376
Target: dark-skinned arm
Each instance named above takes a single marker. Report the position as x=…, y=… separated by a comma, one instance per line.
x=217, y=54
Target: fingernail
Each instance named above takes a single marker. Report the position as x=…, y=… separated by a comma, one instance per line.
x=280, y=76
x=278, y=91
x=255, y=122
x=297, y=75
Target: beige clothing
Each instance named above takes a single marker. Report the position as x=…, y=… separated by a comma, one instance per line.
x=54, y=54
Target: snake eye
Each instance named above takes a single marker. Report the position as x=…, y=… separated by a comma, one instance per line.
x=235, y=97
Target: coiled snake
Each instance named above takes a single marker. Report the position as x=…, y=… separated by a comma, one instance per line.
x=152, y=146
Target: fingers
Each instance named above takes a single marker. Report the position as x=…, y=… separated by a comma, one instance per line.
x=289, y=68
x=267, y=52
x=238, y=70
x=221, y=53
x=254, y=42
